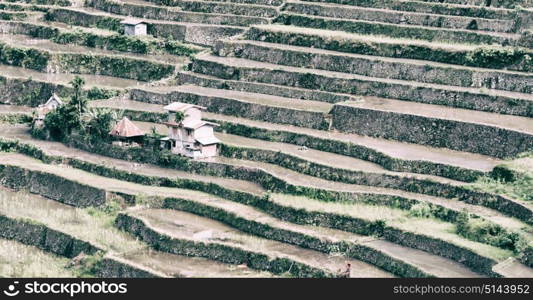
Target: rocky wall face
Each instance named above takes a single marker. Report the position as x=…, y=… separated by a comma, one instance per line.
x=44, y=238
x=380, y=68
x=492, y=141
x=51, y=186
x=364, y=87
x=219, y=252
x=113, y=268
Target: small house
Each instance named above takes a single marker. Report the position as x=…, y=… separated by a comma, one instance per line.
x=134, y=27
x=188, y=134
x=53, y=103
x=127, y=133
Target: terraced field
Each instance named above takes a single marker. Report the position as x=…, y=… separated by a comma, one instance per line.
x=393, y=135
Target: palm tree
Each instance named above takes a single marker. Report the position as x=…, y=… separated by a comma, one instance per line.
x=78, y=99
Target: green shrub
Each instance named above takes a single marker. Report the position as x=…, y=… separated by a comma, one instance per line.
x=481, y=230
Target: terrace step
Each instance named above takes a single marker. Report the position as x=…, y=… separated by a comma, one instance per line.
x=233, y=68
x=195, y=33
x=398, y=17
x=141, y=10
x=131, y=188
x=428, y=7
x=366, y=172
x=186, y=226
x=190, y=78
x=464, y=130
x=181, y=266
x=258, y=2
x=457, y=54
x=57, y=149
x=254, y=106
x=215, y=7
x=399, y=30
x=18, y=40
x=290, y=176
x=376, y=66
x=48, y=57
x=112, y=240
x=380, y=149
x=425, y=228
x=170, y=51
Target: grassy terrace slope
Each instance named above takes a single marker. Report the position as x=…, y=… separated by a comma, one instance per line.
x=95, y=227
x=188, y=207
x=272, y=159
x=393, y=134
x=413, y=255
x=19, y=260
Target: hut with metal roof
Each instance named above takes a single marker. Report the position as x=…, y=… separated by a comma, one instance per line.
x=134, y=27
x=126, y=131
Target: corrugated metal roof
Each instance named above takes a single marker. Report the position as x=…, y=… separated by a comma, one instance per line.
x=132, y=22
x=180, y=106
x=208, y=140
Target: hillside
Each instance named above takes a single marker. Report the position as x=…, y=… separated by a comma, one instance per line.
x=393, y=135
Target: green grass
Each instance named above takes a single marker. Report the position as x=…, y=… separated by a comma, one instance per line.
x=400, y=219
x=513, y=179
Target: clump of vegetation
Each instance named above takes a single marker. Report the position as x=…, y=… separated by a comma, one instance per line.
x=421, y=210
x=513, y=179
x=100, y=122
x=75, y=115
x=497, y=57
x=62, y=121
x=481, y=230
x=179, y=116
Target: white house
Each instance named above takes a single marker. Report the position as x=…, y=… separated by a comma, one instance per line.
x=53, y=102
x=134, y=27
x=191, y=136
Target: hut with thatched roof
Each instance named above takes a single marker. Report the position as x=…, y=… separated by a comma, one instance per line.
x=127, y=132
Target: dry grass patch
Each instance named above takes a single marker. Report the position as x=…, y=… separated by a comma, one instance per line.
x=19, y=260
x=89, y=224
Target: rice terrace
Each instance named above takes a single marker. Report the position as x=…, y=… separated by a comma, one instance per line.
x=266, y=138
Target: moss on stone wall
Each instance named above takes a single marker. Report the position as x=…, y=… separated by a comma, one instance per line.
x=31, y=92
x=51, y=186
x=42, y=237
x=512, y=58
x=392, y=30
x=215, y=251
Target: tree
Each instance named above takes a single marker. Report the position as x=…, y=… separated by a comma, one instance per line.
x=101, y=121
x=78, y=99
x=179, y=116
x=61, y=121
